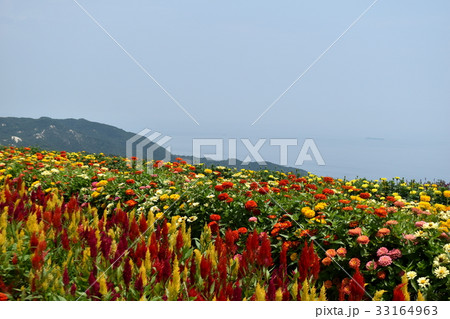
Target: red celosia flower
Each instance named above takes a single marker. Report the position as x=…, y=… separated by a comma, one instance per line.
x=357, y=289
x=308, y=263
x=214, y=227
x=264, y=253
x=398, y=293
x=66, y=279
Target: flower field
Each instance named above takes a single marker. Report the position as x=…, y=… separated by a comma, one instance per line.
x=77, y=226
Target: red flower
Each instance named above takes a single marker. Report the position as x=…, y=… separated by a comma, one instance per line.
x=320, y=196
x=380, y=212
x=242, y=230
x=223, y=196
x=219, y=188
x=227, y=185
x=3, y=297
x=130, y=181
x=263, y=190
x=214, y=217
x=398, y=293
x=364, y=195
x=131, y=203
x=130, y=192
x=250, y=205
x=214, y=227
x=357, y=289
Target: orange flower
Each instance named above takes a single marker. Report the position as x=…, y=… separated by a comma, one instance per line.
x=3, y=297
x=354, y=263
x=341, y=252
x=326, y=261
x=331, y=253
x=242, y=230
x=131, y=203
x=383, y=232
x=130, y=192
x=363, y=240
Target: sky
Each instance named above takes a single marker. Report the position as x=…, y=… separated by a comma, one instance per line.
x=225, y=62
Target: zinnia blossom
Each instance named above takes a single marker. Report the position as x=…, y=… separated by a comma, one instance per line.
x=382, y=251
x=363, y=240
x=341, y=252
x=441, y=272
x=384, y=261
x=383, y=232
x=3, y=297
x=355, y=231
x=354, y=263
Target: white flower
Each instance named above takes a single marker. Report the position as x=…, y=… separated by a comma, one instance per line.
x=430, y=225
x=411, y=275
x=210, y=196
x=55, y=170
x=195, y=204
x=192, y=219
x=46, y=173
x=447, y=248
x=423, y=282
x=154, y=209
x=440, y=259
x=206, y=205
x=441, y=272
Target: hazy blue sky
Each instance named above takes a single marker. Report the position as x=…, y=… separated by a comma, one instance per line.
x=226, y=61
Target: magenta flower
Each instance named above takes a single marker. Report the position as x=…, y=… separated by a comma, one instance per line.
x=371, y=265
x=382, y=251
x=384, y=261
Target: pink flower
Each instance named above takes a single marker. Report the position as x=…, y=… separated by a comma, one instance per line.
x=382, y=251
x=409, y=237
x=392, y=210
x=391, y=222
x=399, y=203
x=253, y=219
x=383, y=232
x=363, y=240
x=355, y=231
x=395, y=253
x=420, y=224
x=384, y=261
x=371, y=265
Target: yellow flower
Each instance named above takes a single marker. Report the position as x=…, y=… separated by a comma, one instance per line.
x=447, y=194
x=174, y=196
x=260, y=293
x=95, y=194
x=163, y=197
x=425, y=198
x=208, y=171
x=309, y=213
